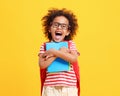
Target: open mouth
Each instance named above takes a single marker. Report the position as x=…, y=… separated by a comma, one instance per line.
x=58, y=34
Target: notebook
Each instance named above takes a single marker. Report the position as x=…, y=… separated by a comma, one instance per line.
x=58, y=64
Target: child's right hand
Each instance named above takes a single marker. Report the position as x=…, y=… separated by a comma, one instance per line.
x=64, y=49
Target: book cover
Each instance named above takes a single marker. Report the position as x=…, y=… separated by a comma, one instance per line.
x=58, y=64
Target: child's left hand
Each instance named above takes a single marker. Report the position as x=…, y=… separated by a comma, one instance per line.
x=64, y=49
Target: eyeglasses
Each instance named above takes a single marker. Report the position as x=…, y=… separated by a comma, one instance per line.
x=62, y=25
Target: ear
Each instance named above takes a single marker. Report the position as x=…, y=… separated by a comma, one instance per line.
x=68, y=33
x=49, y=31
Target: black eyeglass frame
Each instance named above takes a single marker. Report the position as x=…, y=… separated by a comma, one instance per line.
x=62, y=25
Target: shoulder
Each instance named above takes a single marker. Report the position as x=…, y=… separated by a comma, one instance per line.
x=43, y=45
x=71, y=45
x=42, y=48
x=71, y=42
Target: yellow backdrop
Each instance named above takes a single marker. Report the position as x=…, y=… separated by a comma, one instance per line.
x=98, y=41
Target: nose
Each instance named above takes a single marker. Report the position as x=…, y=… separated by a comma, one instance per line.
x=59, y=26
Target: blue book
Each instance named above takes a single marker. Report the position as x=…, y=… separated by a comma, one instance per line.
x=58, y=64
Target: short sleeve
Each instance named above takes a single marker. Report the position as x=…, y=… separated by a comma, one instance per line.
x=42, y=49
x=72, y=46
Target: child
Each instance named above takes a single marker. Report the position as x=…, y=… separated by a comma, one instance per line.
x=59, y=25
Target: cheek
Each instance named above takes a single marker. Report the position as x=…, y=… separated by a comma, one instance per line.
x=51, y=30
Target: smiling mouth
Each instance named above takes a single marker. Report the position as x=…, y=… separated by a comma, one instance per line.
x=58, y=34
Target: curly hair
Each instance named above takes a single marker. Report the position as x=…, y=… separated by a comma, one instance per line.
x=53, y=13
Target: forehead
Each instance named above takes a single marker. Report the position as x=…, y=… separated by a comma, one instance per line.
x=61, y=19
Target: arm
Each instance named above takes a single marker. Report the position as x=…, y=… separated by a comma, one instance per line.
x=45, y=60
x=64, y=53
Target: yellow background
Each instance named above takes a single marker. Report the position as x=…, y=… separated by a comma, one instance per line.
x=98, y=41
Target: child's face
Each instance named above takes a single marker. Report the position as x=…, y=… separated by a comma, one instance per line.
x=59, y=28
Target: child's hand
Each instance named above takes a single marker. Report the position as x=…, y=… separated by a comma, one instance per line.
x=64, y=49
x=47, y=55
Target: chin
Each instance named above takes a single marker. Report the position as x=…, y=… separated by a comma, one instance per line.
x=57, y=40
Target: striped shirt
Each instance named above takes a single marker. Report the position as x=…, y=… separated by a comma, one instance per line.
x=65, y=78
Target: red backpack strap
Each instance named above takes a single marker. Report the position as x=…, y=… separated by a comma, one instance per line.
x=69, y=44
